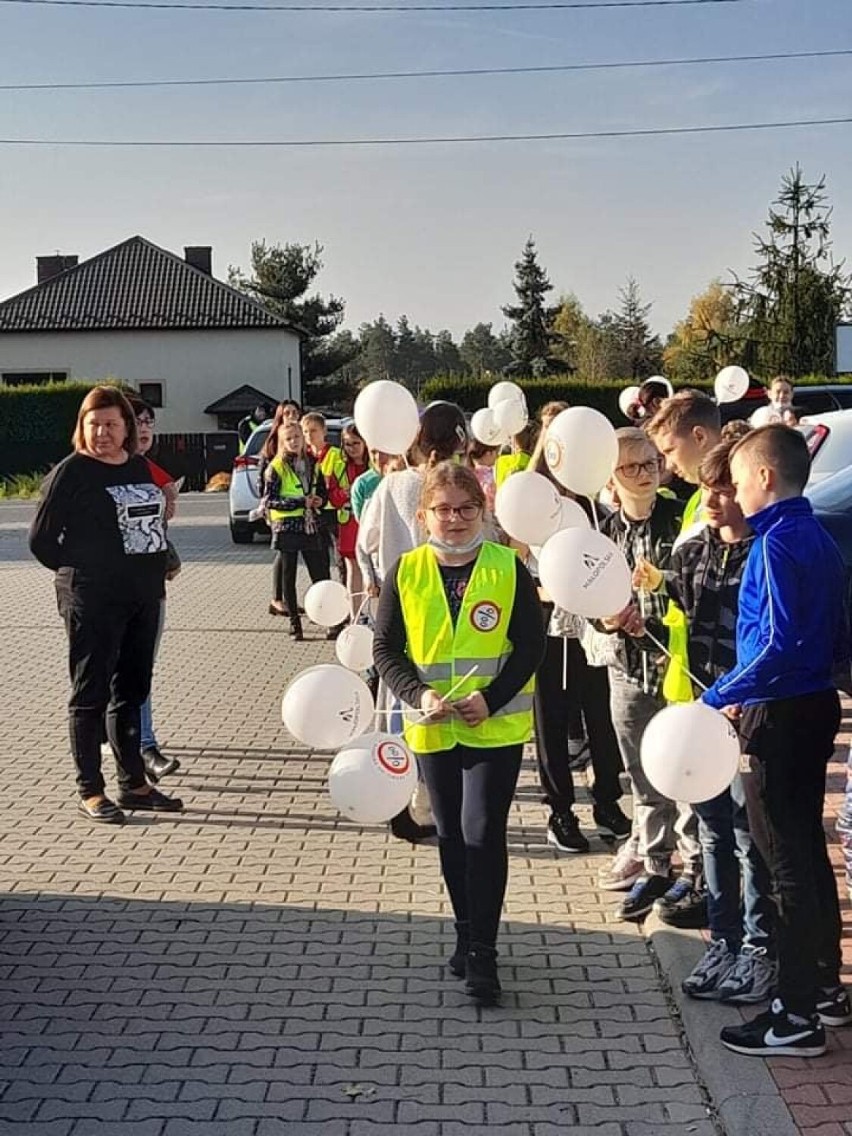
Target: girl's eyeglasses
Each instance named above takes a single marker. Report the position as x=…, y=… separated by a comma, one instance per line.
x=144, y=420
x=468, y=512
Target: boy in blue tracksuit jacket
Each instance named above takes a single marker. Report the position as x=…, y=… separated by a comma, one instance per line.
x=791, y=634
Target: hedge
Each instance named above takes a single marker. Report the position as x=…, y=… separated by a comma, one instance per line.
x=471, y=394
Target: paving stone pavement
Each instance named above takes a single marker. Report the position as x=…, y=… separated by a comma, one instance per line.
x=259, y=965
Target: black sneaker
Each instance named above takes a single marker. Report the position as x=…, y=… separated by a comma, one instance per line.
x=683, y=905
x=481, y=981
x=610, y=819
x=833, y=1006
x=457, y=962
x=639, y=902
x=405, y=827
x=563, y=832
x=776, y=1034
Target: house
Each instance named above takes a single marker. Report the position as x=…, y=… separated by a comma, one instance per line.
x=198, y=350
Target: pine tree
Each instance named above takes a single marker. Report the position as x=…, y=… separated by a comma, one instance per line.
x=531, y=318
x=639, y=350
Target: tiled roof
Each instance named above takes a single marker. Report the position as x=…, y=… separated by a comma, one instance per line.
x=135, y=286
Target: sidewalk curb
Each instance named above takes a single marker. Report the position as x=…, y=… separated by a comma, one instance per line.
x=743, y=1092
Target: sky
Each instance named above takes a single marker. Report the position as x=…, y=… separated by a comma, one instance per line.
x=431, y=231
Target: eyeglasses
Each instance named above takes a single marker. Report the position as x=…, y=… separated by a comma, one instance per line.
x=468, y=512
x=633, y=469
x=144, y=420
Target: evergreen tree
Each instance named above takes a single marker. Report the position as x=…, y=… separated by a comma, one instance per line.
x=531, y=318
x=378, y=350
x=797, y=294
x=280, y=279
x=483, y=352
x=446, y=354
x=639, y=351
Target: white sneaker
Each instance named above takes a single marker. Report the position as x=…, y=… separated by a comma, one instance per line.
x=623, y=871
x=752, y=979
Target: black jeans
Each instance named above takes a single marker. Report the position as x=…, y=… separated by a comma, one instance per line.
x=284, y=569
x=111, y=645
x=790, y=742
x=554, y=706
x=471, y=791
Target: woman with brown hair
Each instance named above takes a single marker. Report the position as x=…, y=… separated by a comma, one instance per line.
x=100, y=526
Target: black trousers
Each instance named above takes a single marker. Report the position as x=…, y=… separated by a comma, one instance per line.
x=111, y=644
x=588, y=686
x=790, y=742
x=471, y=791
x=284, y=569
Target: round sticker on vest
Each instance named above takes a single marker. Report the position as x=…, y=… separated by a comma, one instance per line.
x=485, y=615
x=393, y=758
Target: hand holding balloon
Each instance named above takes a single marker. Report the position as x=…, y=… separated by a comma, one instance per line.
x=473, y=709
x=629, y=621
x=646, y=577
x=434, y=708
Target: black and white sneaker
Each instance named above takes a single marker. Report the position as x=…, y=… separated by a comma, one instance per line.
x=563, y=832
x=776, y=1034
x=611, y=821
x=834, y=1007
x=684, y=905
x=642, y=895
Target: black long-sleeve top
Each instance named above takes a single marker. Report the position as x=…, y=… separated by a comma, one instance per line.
x=525, y=633
x=103, y=526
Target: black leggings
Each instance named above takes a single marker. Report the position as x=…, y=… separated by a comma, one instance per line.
x=284, y=568
x=471, y=791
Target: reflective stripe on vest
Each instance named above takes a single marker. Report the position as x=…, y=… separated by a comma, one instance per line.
x=291, y=486
x=443, y=654
x=677, y=685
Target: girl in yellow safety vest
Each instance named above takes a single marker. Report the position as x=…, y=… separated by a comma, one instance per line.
x=458, y=639
x=354, y=462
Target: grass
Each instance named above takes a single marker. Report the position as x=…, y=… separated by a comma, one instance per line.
x=21, y=485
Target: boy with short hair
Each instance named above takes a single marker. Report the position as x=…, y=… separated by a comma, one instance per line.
x=790, y=635
x=331, y=462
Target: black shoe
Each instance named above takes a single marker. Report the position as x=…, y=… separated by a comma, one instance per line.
x=334, y=632
x=833, y=1006
x=610, y=819
x=683, y=905
x=775, y=1033
x=296, y=630
x=563, y=832
x=641, y=898
x=152, y=802
x=157, y=765
x=405, y=827
x=457, y=961
x=481, y=981
x=103, y=811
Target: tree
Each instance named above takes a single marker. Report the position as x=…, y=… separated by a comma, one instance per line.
x=448, y=359
x=531, y=318
x=796, y=294
x=707, y=339
x=482, y=351
x=280, y=278
x=639, y=350
x=378, y=349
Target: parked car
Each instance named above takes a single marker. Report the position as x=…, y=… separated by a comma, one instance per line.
x=244, y=491
x=822, y=399
x=829, y=438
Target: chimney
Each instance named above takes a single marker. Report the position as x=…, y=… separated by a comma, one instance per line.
x=200, y=257
x=49, y=266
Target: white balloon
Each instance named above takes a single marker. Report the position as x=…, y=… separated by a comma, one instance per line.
x=581, y=449
x=504, y=391
x=327, y=706
x=354, y=647
x=572, y=515
x=731, y=384
x=528, y=507
x=585, y=573
x=511, y=415
x=626, y=399
x=386, y=416
x=764, y=416
x=372, y=779
x=661, y=379
x=327, y=603
x=690, y=752
x=485, y=429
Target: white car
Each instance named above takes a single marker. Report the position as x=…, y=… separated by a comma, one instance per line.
x=244, y=492
x=829, y=438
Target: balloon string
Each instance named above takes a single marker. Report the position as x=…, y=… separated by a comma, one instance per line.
x=595, y=519
x=456, y=686
x=666, y=651
x=642, y=607
x=564, y=664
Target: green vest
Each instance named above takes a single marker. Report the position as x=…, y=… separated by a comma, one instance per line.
x=677, y=685
x=442, y=654
x=332, y=462
x=291, y=486
x=507, y=464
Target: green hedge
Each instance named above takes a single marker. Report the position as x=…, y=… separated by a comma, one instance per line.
x=471, y=394
x=40, y=413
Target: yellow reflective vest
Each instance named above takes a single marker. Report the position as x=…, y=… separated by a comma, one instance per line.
x=332, y=463
x=677, y=685
x=291, y=486
x=507, y=464
x=443, y=654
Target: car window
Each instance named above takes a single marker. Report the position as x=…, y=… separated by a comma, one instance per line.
x=255, y=442
x=814, y=402
x=834, y=494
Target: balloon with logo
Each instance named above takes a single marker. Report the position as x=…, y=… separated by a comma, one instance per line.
x=372, y=778
x=628, y=399
x=326, y=603
x=528, y=507
x=690, y=752
x=327, y=706
x=581, y=449
x=505, y=391
x=584, y=572
x=354, y=647
x=386, y=416
x=731, y=384
x=485, y=429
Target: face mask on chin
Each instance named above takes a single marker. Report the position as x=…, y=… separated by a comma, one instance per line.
x=456, y=549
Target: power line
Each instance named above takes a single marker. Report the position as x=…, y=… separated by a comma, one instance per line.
x=466, y=71
x=340, y=142
x=336, y=8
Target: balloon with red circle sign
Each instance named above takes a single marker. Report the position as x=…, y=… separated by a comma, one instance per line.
x=372, y=779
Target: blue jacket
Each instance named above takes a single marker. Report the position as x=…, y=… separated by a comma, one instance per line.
x=791, y=628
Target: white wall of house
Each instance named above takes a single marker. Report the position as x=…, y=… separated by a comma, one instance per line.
x=195, y=367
